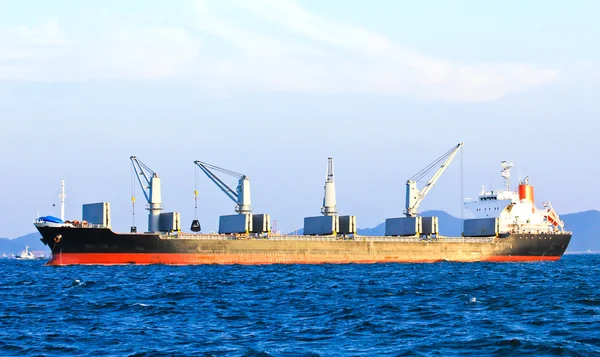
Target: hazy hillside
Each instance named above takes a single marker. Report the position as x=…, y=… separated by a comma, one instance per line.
x=586, y=230
x=8, y=246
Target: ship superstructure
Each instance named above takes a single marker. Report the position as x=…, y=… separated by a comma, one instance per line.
x=509, y=211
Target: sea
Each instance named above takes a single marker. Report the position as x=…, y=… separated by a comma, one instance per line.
x=440, y=309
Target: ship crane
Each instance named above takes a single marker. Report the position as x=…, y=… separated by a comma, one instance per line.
x=241, y=195
x=414, y=196
x=150, y=183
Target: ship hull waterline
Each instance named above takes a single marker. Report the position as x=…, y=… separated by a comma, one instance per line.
x=99, y=246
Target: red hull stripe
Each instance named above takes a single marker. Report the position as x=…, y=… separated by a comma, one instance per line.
x=521, y=258
x=248, y=259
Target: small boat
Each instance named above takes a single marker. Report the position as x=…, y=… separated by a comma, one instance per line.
x=26, y=254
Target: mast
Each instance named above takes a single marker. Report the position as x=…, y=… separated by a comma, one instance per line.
x=62, y=197
x=505, y=173
x=329, y=204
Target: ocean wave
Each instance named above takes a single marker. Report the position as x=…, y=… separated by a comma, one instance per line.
x=442, y=309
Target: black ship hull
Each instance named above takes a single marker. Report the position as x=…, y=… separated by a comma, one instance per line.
x=72, y=245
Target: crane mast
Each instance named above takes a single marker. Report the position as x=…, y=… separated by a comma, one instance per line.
x=241, y=195
x=329, y=204
x=414, y=196
x=150, y=183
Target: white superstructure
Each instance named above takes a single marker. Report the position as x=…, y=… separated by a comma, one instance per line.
x=515, y=210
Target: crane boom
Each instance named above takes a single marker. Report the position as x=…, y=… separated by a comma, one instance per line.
x=144, y=173
x=414, y=196
x=241, y=195
x=150, y=183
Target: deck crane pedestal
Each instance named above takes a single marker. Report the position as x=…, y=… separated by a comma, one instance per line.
x=412, y=224
x=244, y=221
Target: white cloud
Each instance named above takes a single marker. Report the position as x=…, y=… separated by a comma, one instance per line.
x=154, y=52
x=47, y=34
x=45, y=53
x=262, y=45
x=343, y=58
x=295, y=19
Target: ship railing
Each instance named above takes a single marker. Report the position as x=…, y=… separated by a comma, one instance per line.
x=207, y=236
x=88, y=225
x=241, y=237
x=92, y=225
x=538, y=231
x=411, y=239
x=428, y=240
x=304, y=238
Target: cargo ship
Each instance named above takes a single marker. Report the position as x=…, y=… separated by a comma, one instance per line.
x=499, y=226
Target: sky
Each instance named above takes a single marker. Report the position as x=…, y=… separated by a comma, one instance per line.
x=271, y=89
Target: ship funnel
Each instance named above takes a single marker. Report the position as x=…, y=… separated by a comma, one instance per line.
x=526, y=191
x=329, y=204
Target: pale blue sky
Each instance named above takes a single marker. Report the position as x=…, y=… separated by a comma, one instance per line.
x=272, y=88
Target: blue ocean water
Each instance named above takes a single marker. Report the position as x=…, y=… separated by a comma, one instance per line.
x=442, y=309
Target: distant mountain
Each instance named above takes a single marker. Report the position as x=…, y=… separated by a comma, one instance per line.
x=15, y=246
x=586, y=230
